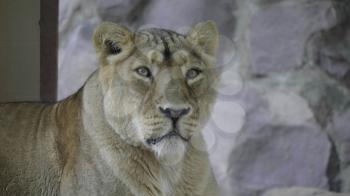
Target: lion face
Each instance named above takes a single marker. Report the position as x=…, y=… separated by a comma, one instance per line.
x=158, y=85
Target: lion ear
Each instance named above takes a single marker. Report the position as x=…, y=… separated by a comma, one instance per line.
x=205, y=37
x=114, y=40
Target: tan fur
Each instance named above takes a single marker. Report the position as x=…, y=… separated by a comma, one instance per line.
x=96, y=142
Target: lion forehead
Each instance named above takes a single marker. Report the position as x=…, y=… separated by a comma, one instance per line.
x=161, y=44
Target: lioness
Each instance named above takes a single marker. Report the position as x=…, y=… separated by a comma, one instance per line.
x=129, y=131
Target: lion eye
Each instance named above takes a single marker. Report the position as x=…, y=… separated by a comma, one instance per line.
x=192, y=73
x=143, y=71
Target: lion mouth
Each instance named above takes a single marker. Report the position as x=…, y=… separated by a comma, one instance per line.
x=172, y=133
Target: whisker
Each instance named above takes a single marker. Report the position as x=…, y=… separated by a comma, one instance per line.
x=194, y=117
x=188, y=130
x=152, y=118
x=154, y=123
x=190, y=124
x=157, y=129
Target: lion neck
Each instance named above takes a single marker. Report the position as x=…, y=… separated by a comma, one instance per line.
x=94, y=118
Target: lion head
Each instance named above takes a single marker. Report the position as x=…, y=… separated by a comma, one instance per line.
x=158, y=85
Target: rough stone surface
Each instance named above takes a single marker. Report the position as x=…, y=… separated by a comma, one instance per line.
x=300, y=192
x=77, y=60
x=183, y=13
x=277, y=157
x=273, y=150
x=121, y=11
x=329, y=48
x=279, y=32
x=345, y=177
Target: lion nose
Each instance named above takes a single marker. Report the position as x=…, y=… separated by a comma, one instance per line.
x=174, y=114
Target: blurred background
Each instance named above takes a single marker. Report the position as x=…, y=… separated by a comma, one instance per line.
x=281, y=122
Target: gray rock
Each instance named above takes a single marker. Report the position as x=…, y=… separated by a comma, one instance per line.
x=326, y=98
x=330, y=50
x=339, y=129
x=330, y=103
x=280, y=144
x=345, y=177
x=297, y=191
x=77, y=60
x=278, y=34
x=279, y=156
x=126, y=12
x=73, y=13
x=180, y=14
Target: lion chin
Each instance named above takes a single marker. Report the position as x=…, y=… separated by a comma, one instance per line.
x=170, y=150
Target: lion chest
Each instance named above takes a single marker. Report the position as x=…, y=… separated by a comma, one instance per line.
x=170, y=178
